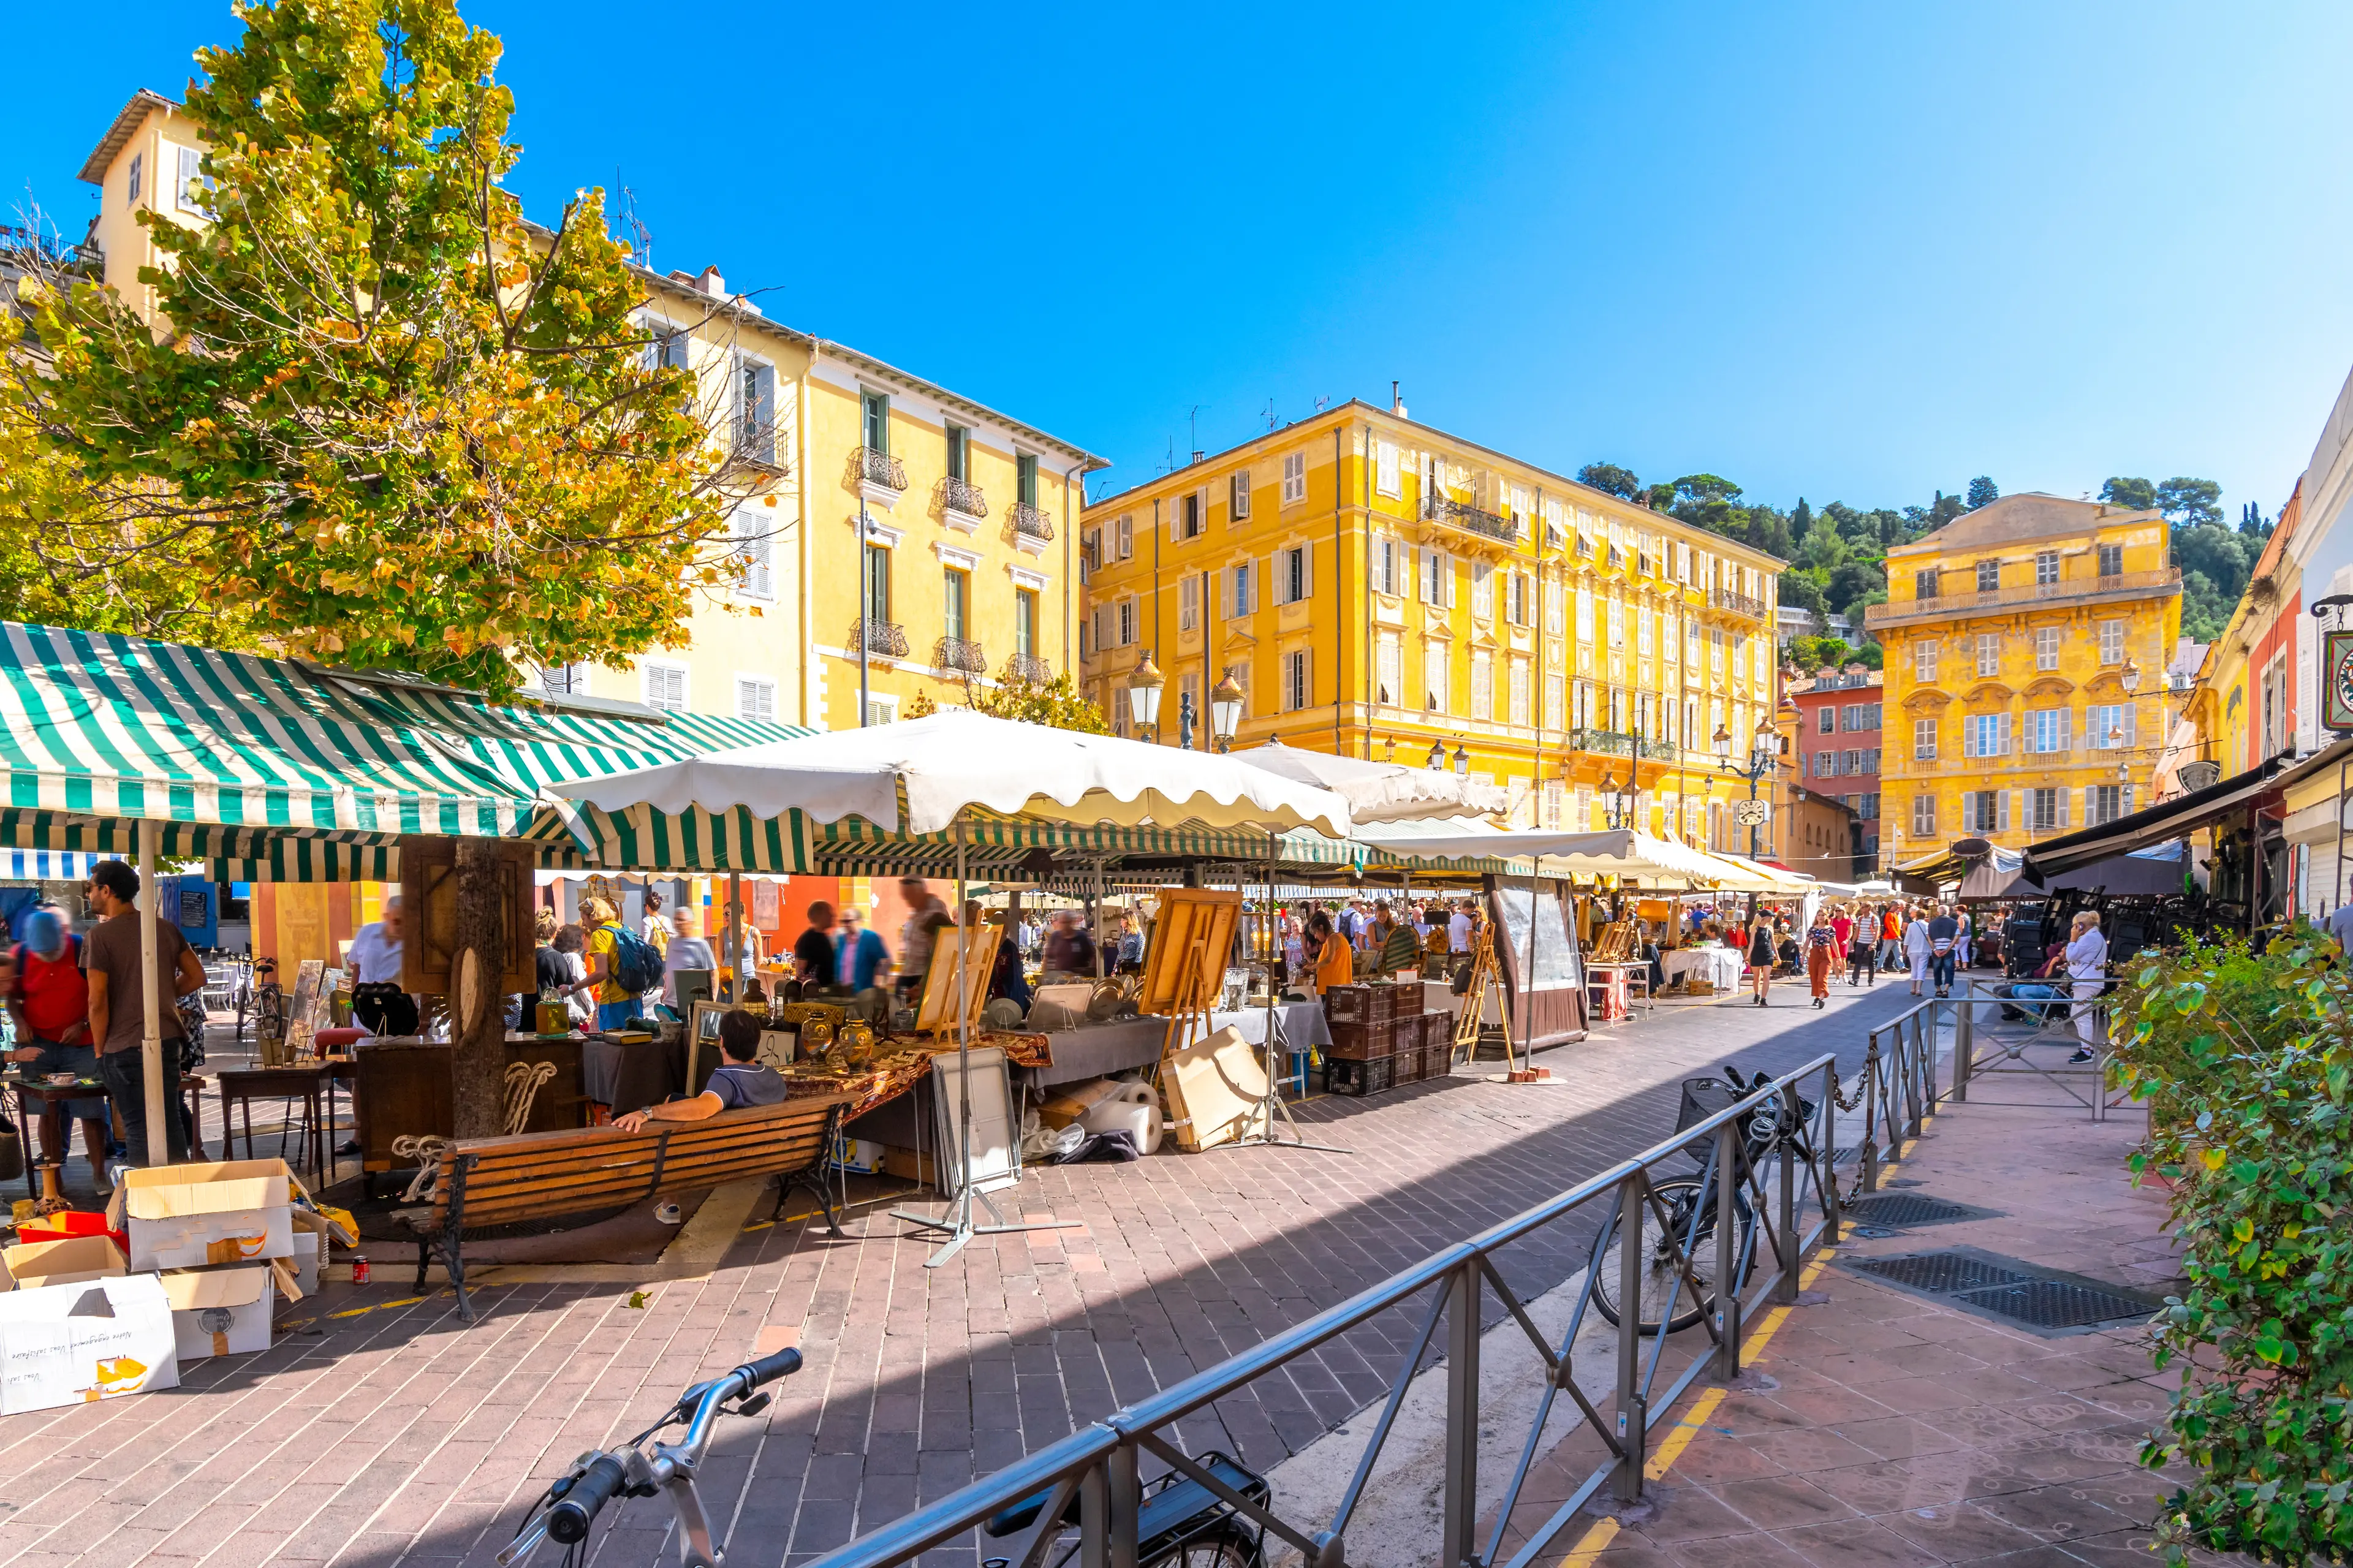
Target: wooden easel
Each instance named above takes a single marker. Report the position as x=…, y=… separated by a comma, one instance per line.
x=1485, y=976
x=1190, y=1010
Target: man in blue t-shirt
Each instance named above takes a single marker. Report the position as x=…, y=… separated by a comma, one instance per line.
x=739, y=1080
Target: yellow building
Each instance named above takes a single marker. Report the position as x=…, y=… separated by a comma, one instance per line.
x=967, y=572
x=2026, y=645
x=1378, y=588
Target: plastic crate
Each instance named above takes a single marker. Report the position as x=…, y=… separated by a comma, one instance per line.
x=1358, y=1042
x=1342, y=1076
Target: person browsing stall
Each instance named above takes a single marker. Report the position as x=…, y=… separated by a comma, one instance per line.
x=1336, y=960
x=50, y=1002
x=117, y=1006
x=740, y=1080
x=378, y=1004
x=688, y=951
x=813, y=957
x=1394, y=946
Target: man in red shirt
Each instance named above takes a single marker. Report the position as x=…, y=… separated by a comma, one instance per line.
x=50, y=1002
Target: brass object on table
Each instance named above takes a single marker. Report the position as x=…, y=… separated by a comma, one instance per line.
x=858, y=1043
x=801, y=1014
x=817, y=1035
x=1114, y=996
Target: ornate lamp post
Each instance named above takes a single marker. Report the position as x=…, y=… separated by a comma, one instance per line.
x=1760, y=761
x=1226, y=709
x=1143, y=684
x=1436, y=761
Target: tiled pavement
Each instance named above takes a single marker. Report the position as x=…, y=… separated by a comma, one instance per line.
x=381, y=1431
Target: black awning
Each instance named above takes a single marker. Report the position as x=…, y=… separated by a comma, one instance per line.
x=2168, y=819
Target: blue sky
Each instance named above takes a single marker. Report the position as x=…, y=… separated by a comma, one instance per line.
x=1849, y=252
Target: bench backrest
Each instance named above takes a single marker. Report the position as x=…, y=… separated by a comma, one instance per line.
x=533, y=1175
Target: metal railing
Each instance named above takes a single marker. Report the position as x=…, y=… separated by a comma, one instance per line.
x=1897, y=1088
x=1099, y=1467
x=1028, y=667
x=2123, y=584
x=875, y=467
x=1029, y=523
x=1617, y=743
x=1740, y=603
x=888, y=639
x=960, y=654
x=963, y=498
x=1470, y=519
x=2009, y=1040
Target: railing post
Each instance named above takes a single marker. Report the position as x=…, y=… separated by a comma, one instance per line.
x=1911, y=1049
x=1463, y=1415
x=1831, y=1233
x=1965, y=1051
x=1728, y=1251
x=1633, y=1421
x=1125, y=1497
x=1785, y=1227
x=1870, y=1117
x=1095, y=1519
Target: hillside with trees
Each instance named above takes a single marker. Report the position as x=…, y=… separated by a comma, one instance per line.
x=1838, y=553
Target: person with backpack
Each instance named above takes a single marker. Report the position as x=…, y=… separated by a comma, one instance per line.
x=50, y=1002
x=622, y=965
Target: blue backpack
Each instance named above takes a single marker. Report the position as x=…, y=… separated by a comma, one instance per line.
x=637, y=968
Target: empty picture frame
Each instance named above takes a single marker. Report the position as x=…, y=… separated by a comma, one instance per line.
x=939, y=1012
x=996, y=1134
x=701, y=1029
x=1190, y=919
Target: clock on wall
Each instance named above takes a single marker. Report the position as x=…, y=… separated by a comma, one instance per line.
x=2337, y=682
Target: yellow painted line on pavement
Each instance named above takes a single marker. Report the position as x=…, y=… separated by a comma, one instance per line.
x=1671, y=1448
x=1596, y=1541
x=378, y=1307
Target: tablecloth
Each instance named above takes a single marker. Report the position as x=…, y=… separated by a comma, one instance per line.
x=1720, y=966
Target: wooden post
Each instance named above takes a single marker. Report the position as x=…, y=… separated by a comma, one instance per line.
x=478, y=1052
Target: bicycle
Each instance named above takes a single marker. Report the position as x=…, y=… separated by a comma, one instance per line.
x=1179, y=1523
x=567, y=1510
x=1689, y=1205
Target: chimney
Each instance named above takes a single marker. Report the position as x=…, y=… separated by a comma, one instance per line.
x=711, y=283
x=1397, y=402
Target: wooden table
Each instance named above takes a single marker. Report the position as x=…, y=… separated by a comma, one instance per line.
x=1616, y=986
x=312, y=1083
x=192, y=1088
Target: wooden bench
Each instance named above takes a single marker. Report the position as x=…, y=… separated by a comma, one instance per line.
x=487, y=1182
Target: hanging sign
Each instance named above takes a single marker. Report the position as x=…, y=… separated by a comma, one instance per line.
x=2336, y=684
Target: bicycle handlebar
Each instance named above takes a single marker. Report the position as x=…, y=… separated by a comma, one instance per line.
x=767, y=1369
x=568, y=1523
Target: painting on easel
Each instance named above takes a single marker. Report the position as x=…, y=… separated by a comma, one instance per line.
x=939, y=1013
x=1194, y=922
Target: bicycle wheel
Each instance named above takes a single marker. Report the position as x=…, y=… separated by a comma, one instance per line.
x=1664, y=1285
x=1228, y=1548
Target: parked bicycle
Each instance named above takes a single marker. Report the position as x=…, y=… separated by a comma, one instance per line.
x=1671, y=1294
x=567, y=1512
x=1180, y=1525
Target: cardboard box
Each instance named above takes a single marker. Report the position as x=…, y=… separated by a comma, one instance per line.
x=859, y=1156
x=221, y=1311
x=308, y=1248
x=192, y=1216
x=71, y=1344
x=35, y=1264
x=906, y=1164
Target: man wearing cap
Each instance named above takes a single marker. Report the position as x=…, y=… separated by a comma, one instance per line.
x=50, y=1002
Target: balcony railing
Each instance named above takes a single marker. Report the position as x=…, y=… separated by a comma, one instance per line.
x=880, y=469
x=962, y=496
x=960, y=654
x=1029, y=523
x=1740, y=603
x=1615, y=743
x=2123, y=584
x=1457, y=514
x=888, y=639
x=1029, y=669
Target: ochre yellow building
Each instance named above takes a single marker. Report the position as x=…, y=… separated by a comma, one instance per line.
x=2027, y=645
x=1382, y=589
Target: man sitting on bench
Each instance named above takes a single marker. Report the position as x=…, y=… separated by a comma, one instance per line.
x=739, y=1079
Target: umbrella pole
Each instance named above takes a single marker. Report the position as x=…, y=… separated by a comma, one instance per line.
x=957, y=1223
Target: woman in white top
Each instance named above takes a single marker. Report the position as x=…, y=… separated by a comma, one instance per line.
x=2087, y=969
x=1917, y=949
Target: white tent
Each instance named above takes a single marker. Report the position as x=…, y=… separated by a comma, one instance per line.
x=1611, y=852
x=1380, y=792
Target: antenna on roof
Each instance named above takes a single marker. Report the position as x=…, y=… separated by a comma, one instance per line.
x=633, y=230
x=1270, y=412
x=1193, y=427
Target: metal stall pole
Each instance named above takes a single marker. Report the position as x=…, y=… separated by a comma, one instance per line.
x=159, y=1140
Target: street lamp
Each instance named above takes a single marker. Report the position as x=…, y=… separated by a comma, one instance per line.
x=1143, y=684
x=1617, y=806
x=1436, y=762
x=1462, y=763
x=1226, y=709
x=2129, y=676
x=1760, y=759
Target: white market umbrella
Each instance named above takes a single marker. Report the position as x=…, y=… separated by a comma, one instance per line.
x=1380, y=792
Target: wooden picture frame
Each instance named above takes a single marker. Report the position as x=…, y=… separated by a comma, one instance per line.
x=939, y=1013
x=1189, y=916
x=302, y=1011
x=428, y=905
x=703, y=1024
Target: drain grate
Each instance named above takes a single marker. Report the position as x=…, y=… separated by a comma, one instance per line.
x=1902, y=1210
x=2055, y=1303
x=1939, y=1273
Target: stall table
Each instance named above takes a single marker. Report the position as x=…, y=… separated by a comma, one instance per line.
x=626, y=1076
x=400, y=1086
x=42, y=1096
x=1720, y=966
x=1098, y=1050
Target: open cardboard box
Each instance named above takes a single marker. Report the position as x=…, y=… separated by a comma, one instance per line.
x=190, y=1216
x=35, y=1264
x=221, y=1311
x=71, y=1344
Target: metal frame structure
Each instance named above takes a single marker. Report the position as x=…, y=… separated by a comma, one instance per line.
x=1994, y=1050
x=1099, y=1466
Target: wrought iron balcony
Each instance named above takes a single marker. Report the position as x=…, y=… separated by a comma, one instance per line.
x=1029, y=523
x=1740, y=603
x=1945, y=606
x=880, y=469
x=960, y=654
x=888, y=639
x=1029, y=669
x=963, y=496
x=1470, y=519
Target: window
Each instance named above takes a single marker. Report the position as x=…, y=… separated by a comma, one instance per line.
x=564, y=679
x=754, y=698
x=755, y=550
x=1436, y=679
x=666, y=687
x=2112, y=642
x=1585, y=615
x=1025, y=622
x=667, y=347
x=1185, y=516
x=1985, y=811
x=1128, y=622
x=1238, y=497
x=1090, y=553
x=184, y=197
x=878, y=420
x=1552, y=716
x=1642, y=643
x=138, y=175
x=1188, y=601
x=1388, y=566
x=1483, y=590
x=2046, y=730
x=2103, y=803
x=1924, y=662
x=1389, y=673
x=1984, y=735
x=2046, y=647
x=756, y=411
x=1241, y=598
x=1924, y=738
x=1923, y=816
x=1866, y=806
x=1989, y=576
x=2110, y=726
x=1859, y=716
x=2045, y=809
x=1025, y=478
x=1826, y=720
x=1294, y=574
x=1520, y=692
x=1483, y=686
x=953, y=586
x=1297, y=692
x=1924, y=584
x=1437, y=578
x=1552, y=794
x=1122, y=538
x=1617, y=624
x=959, y=452
x=2046, y=568
x=881, y=709
x=877, y=583
x=2112, y=559
x=1385, y=469
x=1295, y=478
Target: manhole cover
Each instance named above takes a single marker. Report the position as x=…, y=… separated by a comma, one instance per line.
x=2055, y=1303
x=1905, y=1209
x=1939, y=1273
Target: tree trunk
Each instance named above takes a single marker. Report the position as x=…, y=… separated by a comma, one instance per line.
x=478, y=1055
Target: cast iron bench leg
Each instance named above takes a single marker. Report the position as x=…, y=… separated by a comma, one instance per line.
x=456, y=1262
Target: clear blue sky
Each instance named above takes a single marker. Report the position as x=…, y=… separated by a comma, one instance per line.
x=1849, y=252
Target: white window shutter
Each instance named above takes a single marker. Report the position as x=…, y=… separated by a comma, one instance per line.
x=1307, y=571
x=2062, y=806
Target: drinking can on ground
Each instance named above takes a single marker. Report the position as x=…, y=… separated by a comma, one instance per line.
x=359, y=1270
